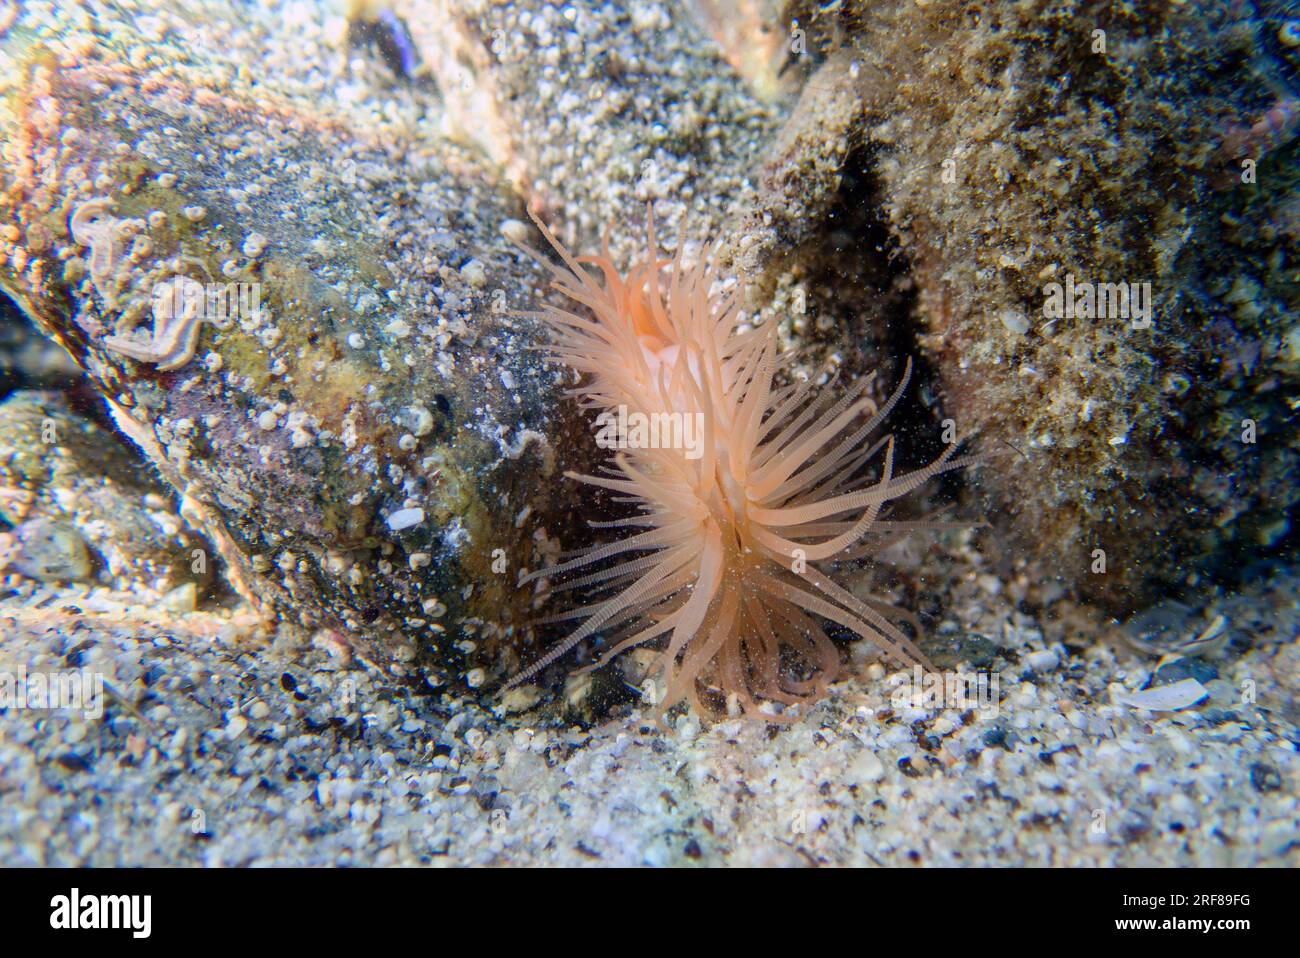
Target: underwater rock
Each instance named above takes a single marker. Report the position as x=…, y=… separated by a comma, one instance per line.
x=297, y=306
x=949, y=649
x=597, y=111
x=66, y=483
x=748, y=35
x=1180, y=669
x=50, y=551
x=1040, y=161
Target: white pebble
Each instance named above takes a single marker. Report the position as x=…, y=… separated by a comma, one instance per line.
x=474, y=274
x=515, y=230
x=1044, y=660
x=1015, y=322
x=405, y=518
x=867, y=768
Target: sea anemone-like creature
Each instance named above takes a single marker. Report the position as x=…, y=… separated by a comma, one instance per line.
x=724, y=562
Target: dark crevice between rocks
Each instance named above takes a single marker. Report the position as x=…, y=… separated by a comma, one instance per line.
x=30, y=361
x=857, y=277
x=855, y=271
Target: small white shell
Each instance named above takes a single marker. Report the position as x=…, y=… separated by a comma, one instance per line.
x=405, y=518
x=1164, y=698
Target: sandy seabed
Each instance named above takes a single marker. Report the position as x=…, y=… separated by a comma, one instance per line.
x=221, y=746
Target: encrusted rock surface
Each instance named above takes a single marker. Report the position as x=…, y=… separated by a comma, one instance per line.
x=366, y=426
x=1018, y=145
x=360, y=446
x=600, y=111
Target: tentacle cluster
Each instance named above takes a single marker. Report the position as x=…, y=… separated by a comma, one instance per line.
x=723, y=562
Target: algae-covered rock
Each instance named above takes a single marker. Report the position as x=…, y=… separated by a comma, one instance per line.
x=296, y=305
x=1038, y=161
